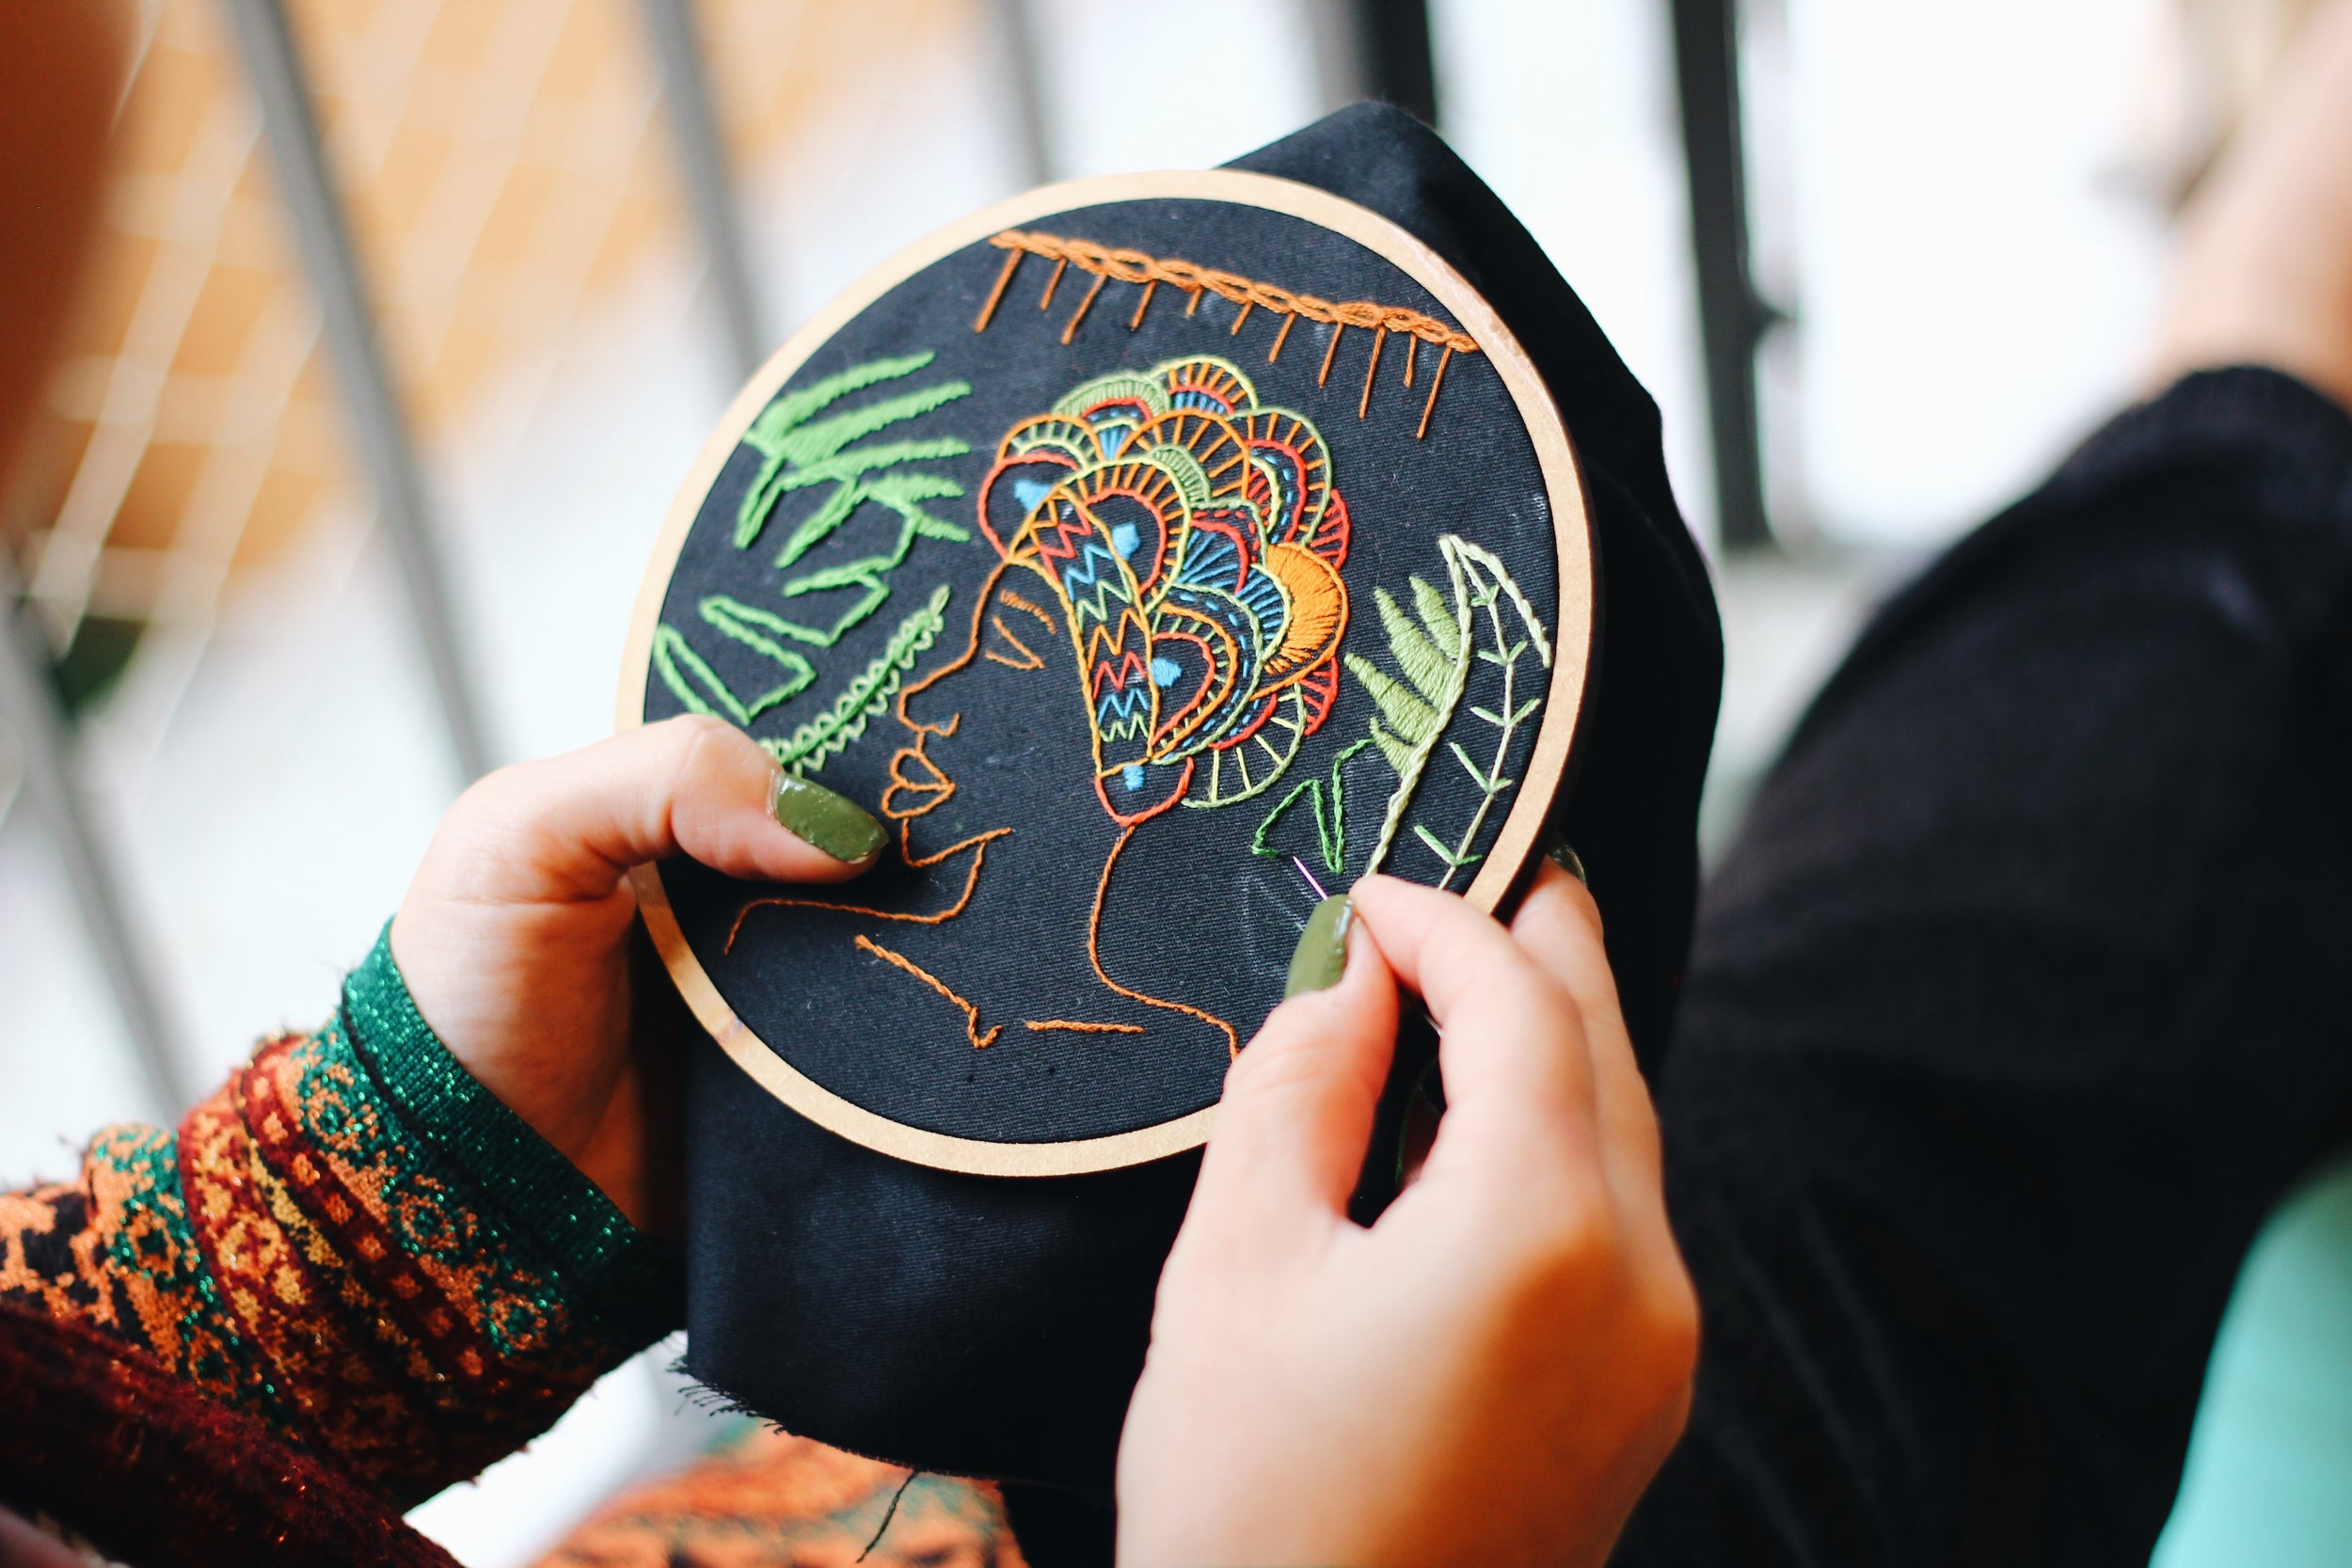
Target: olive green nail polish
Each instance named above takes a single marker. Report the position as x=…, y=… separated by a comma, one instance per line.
x=1321, y=955
x=1565, y=858
x=831, y=824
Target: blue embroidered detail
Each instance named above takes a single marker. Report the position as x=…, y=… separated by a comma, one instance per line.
x=1125, y=539
x=1132, y=776
x=1165, y=672
x=1028, y=492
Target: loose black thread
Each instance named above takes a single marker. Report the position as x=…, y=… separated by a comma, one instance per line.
x=888, y=1513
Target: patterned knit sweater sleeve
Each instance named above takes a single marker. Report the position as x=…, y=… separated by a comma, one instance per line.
x=356, y=1243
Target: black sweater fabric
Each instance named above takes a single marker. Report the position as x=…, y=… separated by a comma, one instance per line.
x=2020, y=1001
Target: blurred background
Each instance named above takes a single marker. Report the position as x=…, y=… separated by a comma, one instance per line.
x=410, y=315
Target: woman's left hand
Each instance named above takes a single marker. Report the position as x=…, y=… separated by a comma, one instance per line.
x=514, y=937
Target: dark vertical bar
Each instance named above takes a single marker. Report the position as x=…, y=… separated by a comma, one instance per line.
x=1025, y=73
x=701, y=157
x=274, y=65
x=29, y=701
x=1732, y=321
x=1398, y=67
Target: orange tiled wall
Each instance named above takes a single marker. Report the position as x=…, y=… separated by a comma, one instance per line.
x=505, y=160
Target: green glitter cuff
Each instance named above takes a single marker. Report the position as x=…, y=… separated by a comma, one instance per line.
x=635, y=1282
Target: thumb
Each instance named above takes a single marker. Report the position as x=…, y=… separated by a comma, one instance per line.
x=1298, y=1112
x=567, y=828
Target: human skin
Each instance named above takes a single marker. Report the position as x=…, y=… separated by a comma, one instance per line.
x=520, y=943
x=1493, y=1370
x=1489, y=1373
x=2264, y=275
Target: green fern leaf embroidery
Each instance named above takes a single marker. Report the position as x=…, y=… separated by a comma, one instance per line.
x=800, y=451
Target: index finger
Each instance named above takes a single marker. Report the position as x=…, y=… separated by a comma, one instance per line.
x=568, y=827
x=1512, y=1042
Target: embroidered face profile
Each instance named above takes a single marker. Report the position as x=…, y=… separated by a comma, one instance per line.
x=1144, y=619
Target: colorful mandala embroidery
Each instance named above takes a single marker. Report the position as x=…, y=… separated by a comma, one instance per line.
x=1194, y=539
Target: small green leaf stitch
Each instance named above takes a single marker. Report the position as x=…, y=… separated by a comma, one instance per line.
x=809, y=747
x=1482, y=583
x=1329, y=810
x=1437, y=846
x=1431, y=652
x=1434, y=654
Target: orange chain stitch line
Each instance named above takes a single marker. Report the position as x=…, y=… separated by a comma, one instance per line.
x=1150, y=272
x=1134, y=266
x=971, y=1013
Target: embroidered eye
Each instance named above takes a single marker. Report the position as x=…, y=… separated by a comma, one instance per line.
x=1015, y=632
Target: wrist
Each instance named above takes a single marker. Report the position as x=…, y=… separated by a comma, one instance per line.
x=629, y=1276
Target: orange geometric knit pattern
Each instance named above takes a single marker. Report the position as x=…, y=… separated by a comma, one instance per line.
x=300, y=1253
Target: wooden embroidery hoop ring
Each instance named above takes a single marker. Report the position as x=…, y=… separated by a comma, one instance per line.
x=1514, y=847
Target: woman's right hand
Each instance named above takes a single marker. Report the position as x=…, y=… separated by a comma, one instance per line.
x=1493, y=1371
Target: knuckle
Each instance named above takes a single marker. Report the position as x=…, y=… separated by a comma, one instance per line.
x=1665, y=1322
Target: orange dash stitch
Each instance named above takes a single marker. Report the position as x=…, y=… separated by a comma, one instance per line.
x=1084, y=306
x=1288, y=322
x=1004, y=281
x=1435, y=382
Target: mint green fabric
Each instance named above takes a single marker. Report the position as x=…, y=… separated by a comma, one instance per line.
x=634, y=1281
x=2269, y=1483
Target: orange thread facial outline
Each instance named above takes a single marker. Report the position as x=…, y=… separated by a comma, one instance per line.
x=1094, y=954
x=978, y=844
x=1013, y=599
x=932, y=792
x=1028, y=652
x=971, y=1013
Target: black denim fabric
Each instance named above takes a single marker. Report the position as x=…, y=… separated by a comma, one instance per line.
x=2019, y=1003
x=996, y=1328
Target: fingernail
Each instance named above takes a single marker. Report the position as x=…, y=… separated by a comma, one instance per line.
x=1321, y=956
x=831, y=824
x=1565, y=858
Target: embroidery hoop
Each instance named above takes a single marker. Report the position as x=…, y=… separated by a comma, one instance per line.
x=1514, y=846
